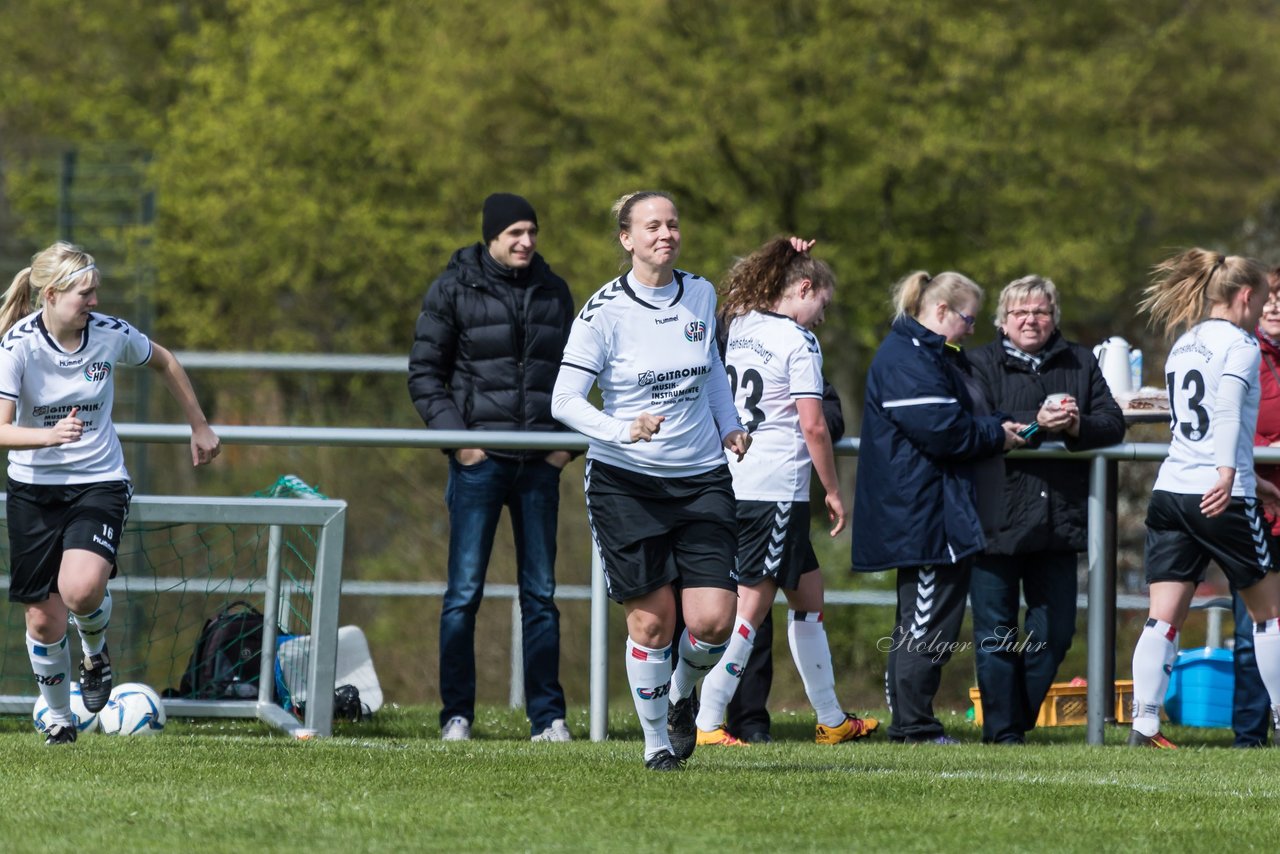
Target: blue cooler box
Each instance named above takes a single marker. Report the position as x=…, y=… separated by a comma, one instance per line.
x=1200, y=688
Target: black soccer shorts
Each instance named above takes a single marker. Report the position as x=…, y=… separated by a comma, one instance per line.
x=47, y=520
x=1181, y=540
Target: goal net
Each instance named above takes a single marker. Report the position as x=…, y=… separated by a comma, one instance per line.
x=182, y=561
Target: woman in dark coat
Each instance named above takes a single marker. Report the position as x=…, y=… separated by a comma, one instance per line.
x=1034, y=374
x=915, y=503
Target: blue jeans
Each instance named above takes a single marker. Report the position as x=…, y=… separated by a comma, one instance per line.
x=1250, y=707
x=1014, y=673
x=475, y=496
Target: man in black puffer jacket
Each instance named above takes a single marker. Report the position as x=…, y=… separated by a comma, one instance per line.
x=485, y=356
x=1025, y=372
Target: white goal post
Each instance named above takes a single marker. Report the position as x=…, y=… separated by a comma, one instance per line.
x=322, y=590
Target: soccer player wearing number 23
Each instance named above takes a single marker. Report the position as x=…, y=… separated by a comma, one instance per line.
x=773, y=300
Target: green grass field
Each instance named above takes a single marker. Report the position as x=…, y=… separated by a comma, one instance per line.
x=391, y=785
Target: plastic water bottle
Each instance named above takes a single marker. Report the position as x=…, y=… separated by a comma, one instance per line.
x=1135, y=369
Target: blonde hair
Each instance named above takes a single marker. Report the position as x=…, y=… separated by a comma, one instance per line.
x=1186, y=286
x=57, y=268
x=913, y=294
x=758, y=281
x=622, y=208
x=1021, y=290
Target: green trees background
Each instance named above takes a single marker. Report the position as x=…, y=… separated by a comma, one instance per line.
x=289, y=175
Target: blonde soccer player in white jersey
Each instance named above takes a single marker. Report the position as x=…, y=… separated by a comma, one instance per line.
x=68, y=489
x=1205, y=504
x=772, y=301
x=659, y=493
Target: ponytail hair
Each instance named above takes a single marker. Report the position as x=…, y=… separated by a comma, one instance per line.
x=914, y=293
x=57, y=268
x=1186, y=286
x=758, y=281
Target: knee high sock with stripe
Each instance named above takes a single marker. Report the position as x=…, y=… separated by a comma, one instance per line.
x=812, y=655
x=92, y=627
x=51, y=664
x=1153, y=657
x=1266, y=651
x=696, y=660
x=649, y=675
x=722, y=682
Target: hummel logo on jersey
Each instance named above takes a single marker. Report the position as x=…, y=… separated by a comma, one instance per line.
x=73, y=362
x=661, y=320
x=97, y=372
x=695, y=330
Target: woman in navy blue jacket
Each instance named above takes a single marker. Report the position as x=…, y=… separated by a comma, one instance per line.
x=915, y=503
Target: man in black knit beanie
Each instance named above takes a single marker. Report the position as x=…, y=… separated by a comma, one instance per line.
x=485, y=356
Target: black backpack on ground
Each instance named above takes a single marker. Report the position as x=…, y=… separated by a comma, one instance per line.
x=227, y=661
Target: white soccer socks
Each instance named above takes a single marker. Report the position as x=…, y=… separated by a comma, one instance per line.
x=649, y=675
x=93, y=626
x=812, y=655
x=696, y=660
x=51, y=664
x=722, y=682
x=1266, y=651
x=1153, y=657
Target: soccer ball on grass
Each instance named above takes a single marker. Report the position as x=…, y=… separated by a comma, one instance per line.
x=134, y=709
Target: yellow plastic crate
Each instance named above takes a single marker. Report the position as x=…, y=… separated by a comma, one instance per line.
x=1067, y=704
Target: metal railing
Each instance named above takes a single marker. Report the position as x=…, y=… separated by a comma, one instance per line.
x=1102, y=599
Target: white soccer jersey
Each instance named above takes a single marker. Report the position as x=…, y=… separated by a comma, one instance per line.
x=771, y=360
x=649, y=350
x=45, y=382
x=1201, y=360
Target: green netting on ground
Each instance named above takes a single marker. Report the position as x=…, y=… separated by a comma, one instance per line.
x=172, y=579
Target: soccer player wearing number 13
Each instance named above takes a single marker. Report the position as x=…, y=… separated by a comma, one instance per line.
x=1205, y=501
x=68, y=489
x=773, y=300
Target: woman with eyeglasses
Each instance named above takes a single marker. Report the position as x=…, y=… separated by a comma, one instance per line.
x=1036, y=375
x=916, y=501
